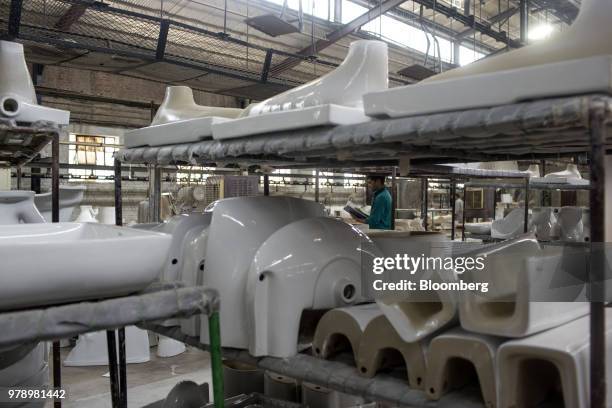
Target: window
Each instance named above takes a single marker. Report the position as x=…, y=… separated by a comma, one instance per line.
x=92, y=151
x=474, y=199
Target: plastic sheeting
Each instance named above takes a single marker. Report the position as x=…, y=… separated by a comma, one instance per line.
x=160, y=301
x=549, y=126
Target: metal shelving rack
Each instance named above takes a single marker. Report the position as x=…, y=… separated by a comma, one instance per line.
x=547, y=128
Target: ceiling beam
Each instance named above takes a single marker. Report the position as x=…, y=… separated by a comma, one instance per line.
x=336, y=35
x=498, y=18
x=72, y=15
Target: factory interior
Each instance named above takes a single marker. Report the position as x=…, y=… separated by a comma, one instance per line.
x=423, y=181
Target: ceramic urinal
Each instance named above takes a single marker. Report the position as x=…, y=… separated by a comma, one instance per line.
x=342, y=327
x=179, y=120
x=17, y=207
x=240, y=226
x=70, y=197
x=17, y=97
x=333, y=99
x=455, y=356
x=310, y=264
x=551, y=368
x=529, y=289
x=575, y=61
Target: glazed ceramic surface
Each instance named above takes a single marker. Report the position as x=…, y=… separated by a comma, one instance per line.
x=243, y=224
x=17, y=207
x=91, y=348
x=87, y=214
x=321, y=115
x=574, y=224
x=544, y=223
x=530, y=289
x=448, y=354
x=334, y=98
x=310, y=264
x=550, y=368
x=69, y=198
x=510, y=226
x=75, y=261
x=27, y=368
x=17, y=96
x=545, y=69
x=414, y=315
x=179, y=120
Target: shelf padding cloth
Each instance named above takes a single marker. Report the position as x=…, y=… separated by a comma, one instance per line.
x=161, y=301
x=546, y=126
x=21, y=143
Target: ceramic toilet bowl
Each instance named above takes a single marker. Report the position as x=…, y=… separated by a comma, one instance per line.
x=378, y=342
x=179, y=104
x=18, y=207
x=542, y=289
x=243, y=223
x=450, y=356
x=91, y=348
x=342, y=325
x=574, y=224
x=571, y=172
x=17, y=96
x=544, y=223
x=68, y=250
x=365, y=69
x=310, y=264
x=415, y=315
x=550, y=368
x=70, y=197
x=510, y=226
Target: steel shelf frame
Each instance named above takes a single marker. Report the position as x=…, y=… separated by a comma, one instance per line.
x=547, y=128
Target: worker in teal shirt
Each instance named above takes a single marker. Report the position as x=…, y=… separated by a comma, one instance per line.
x=380, y=215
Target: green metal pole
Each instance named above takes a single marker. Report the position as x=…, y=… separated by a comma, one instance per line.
x=214, y=331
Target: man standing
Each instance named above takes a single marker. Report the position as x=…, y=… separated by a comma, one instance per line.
x=380, y=215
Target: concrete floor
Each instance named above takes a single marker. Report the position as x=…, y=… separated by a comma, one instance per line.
x=147, y=382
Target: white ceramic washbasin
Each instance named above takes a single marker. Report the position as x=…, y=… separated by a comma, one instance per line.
x=69, y=198
x=333, y=99
x=17, y=207
x=238, y=228
x=310, y=264
x=17, y=96
x=54, y=263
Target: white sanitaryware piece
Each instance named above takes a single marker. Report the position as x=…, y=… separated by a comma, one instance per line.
x=573, y=62
x=544, y=223
x=87, y=214
x=310, y=264
x=452, y=355
x=551, y=368
x=530, y=289
x=91, y=348
x=533, y=170
x=481, y=228
x=241, y=225
x=415, y=315
x=78, y=261
x=30, y=371
x=570, y=175
x=574, y=224
x=167, y=347
x=106, y=215
x=179, y=120
x=69, y=198
x=510, y=226
x=333, y=99
x=17, y=207
x=17, y=96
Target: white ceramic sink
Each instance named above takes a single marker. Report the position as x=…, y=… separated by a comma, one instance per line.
x=55, y=263
x=239, y=226
x=333, y=99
